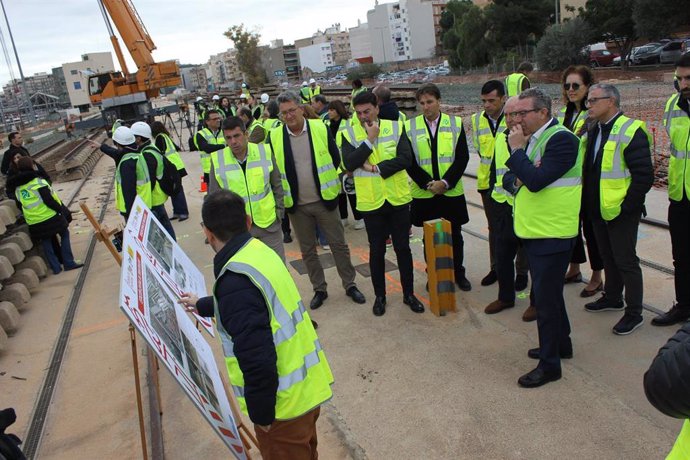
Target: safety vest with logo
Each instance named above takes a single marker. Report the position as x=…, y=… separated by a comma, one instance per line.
x=447, y=136
x=677, y=124
x=329, y=185
x=484, y=141
x=304, y=376
x=615, y=176
x=171, y=152
x=681, y=448
x=158, y=196
x=253, y=183
x=34, y=209
x=514, y=84
x=143, y=181
x=577, y=123
x=215, y=139
x=372, y=189
x=501, y=155
x=554, y=211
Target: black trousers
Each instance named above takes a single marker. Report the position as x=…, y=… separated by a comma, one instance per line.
x=578, y=257
x=617, y=241
x=679, y=226
x=548, y=278
x=380, y=224
x=285, y=224
x=343, y=198
x=508, y=247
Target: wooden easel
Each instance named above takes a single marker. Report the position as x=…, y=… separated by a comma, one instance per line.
x=104, y=235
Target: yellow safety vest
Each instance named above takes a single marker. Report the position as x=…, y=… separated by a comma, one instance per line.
x=553, y=212
x=329, y=185
x=677, y=124
x=253, y=126
x=449, y=131
x=269, y=124
x=143, y=181
x=171, y=153
x=304, y=376
x=579, y=120
x=314, y=92
x=253, y=184
x=514, y=84
x=681, y=448
x=372, y=189
x=484, y=143
x=216, y=139
x=158, y=196
x=34, y=209
x=305, y=93
x=501, y=155
x=615, y=176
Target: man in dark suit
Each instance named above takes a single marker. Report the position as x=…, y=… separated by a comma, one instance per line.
x=16, y=146
x=546, y=178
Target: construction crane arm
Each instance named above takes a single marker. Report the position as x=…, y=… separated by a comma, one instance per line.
x=132, y=30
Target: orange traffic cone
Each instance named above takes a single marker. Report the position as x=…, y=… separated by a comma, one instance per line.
x=203, y=188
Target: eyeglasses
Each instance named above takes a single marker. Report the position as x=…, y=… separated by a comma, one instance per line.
x=592, y=100
x=521, y=113
x=215, y=119
x=290, y=112
x=574, y=86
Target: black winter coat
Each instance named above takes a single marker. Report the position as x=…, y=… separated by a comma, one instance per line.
x=51, y=227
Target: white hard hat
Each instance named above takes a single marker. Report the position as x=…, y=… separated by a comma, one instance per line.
x=304, y=83
x=244, y=85
x=141, y=129
x=311, y=80
x=215, y=97
x=264, y=98
x=123, y=136
x=243, y=96
x=199, y=98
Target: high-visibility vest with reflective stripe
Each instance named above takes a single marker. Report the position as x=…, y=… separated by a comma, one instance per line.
x=143, y=181
x=484, y=141
x=447, y=136
x=579, y=119
x=304, y=376
x=553, y=212
x=681, y=448
x=158, y=196
x=253, y=126
x=34, y=209
x=329, y=185
x=269, y=124
x=514, y=84
x=501, y=155
x=305, y=93
x=677, y=124
x=373, y=190
x=615, y=176
x=253, y=183
x=171, y=153
x=216, y=139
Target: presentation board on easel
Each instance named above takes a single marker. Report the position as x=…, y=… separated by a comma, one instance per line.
x=150, y=304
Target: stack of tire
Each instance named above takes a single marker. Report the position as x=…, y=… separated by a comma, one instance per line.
x=20, y=270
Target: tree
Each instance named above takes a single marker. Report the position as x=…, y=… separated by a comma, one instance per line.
x=657, y=19
x=464, y=34
x=561, y=45
x=248, y=57
x=511, y=22
x=611, y=20
x=364, y=71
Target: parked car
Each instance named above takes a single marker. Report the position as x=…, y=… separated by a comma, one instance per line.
x=670, y=52
x=601, y=58
x=650, y=55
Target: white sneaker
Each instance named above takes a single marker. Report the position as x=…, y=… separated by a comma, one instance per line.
x=326, y=247
x=359, y=224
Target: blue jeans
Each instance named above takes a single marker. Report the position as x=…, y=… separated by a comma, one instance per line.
x=179, y=204
x=162, y=216
x=65, y=251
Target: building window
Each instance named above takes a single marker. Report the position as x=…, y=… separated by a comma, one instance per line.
x=77, y=85
x=73, y=72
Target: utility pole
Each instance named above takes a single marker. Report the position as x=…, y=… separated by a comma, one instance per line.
x=32, y=121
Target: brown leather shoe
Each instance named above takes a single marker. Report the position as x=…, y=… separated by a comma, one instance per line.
x=530, y=314
x=498, y=306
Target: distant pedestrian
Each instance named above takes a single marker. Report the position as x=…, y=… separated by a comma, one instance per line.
x=16, y=146
x=519, y=81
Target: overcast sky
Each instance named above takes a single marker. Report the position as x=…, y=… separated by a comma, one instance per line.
x=49, y=33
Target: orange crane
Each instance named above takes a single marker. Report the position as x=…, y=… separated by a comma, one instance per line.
x=122, y=95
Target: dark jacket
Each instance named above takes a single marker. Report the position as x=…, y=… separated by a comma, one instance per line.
x=291, y=173
x=639, y=160
x=244, y=315
x=9, y=153
x=54, y=225
x=454, y=208
x=667, y=382
x=10, y=185
x=389, y=111
x=354, y=158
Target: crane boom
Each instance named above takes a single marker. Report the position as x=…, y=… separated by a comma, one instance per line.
x=132, y=30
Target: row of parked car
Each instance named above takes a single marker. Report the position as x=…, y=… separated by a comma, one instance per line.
x=661, y=52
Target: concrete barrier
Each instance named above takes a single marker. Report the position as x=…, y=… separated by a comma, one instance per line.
x=11, y=204
x=9, y=317
x=12, y=251
x=6, y=268
x=7, y=217
x=17, y=294
x=20, y=238
x=25, y=276
x=35, y=263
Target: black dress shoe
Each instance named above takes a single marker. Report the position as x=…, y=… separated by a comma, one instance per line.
x=463, y=283
x=414, y=303
x=355, y=294
x=317, y=300
x=379, y=306
x=287, y=238
x=675, y=315
x=183, y=217
x=538, y=377
x=534, y=353
x=73, y=267
x=489, y=279
x=520, y=282
x=314, y=324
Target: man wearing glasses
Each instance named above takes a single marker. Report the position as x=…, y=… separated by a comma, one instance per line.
x=209, y=140
x=677, y=123
x=545, y=175
x=308, y=158
x=618, y=173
